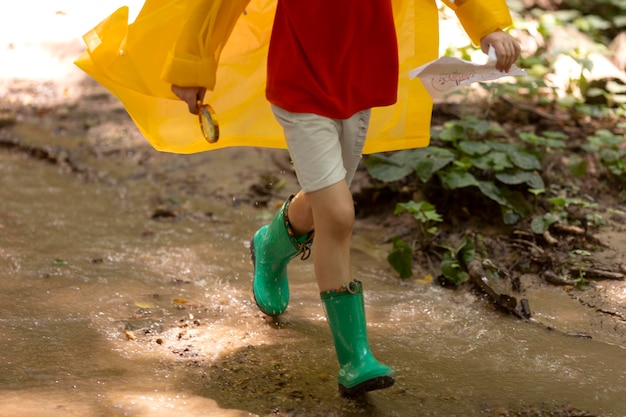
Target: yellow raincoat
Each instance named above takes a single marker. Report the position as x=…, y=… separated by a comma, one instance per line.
x=222, y=45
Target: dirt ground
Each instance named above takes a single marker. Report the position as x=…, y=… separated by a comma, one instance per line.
x=41, y=89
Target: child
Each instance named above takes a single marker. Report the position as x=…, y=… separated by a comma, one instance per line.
x=329, y=63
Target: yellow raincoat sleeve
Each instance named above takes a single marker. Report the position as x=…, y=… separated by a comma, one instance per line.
x=194, y=58
x=481, y=17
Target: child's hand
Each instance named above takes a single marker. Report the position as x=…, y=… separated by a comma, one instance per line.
x=507, y=49
x=190, y=95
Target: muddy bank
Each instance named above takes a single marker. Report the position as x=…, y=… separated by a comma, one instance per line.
x=109, y=310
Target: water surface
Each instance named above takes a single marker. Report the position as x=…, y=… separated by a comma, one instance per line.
x=105, y=311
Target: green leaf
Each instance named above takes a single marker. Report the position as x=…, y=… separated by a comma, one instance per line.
x=531, y=178
x=457, y=178
x=525, y=160
x=493, y=192
x=387, y=168
x=394, y=167
x=558, y=201
x=566, y=202
x=452, y=132
x=577, y=165
x=540, y=224
x=452, y=270
x=590, y=23
x=465, y=251
x=401, y=258
x=422, y=211
x=510, y=216
x=473, y=148
x=433, y=216
x=494, y=160
x=516, y=200
x=411, y=207
x=530, y=138
x=535, y=182
x=512, y=178
x=502, y=147
x=550, y=134
x=609, y=155
x=430, y=160
x=595, y=92
x=537, y=225
x=555, y=143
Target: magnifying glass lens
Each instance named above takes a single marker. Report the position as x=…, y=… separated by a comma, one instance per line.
x=208, y=123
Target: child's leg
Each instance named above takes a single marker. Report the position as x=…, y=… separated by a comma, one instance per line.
x=335, y=207
x=330, y=210
x=300, y=214
x=333, y=213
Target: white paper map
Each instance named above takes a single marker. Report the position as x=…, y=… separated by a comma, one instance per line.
x=446, y=74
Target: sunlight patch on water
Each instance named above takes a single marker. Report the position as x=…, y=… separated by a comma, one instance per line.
x=169, y=405
x=455, y=345
x=44, y=403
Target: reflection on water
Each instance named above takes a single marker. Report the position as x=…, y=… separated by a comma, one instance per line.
x=84, y=270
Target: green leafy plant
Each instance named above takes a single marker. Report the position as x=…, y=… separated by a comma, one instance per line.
x=548, y=140
x=426, y=216
x=599, y=17
x=610, y=151
x=582, y=282
x=401, y=255
x=401, y=258
x=468, y=156
x=612, y=92
x=455, y=261
x=559, y=213
x=473, y=154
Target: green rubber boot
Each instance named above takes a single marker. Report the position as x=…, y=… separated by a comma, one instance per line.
x=272, y=247
x=359, y=371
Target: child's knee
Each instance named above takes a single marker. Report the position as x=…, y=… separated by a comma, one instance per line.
x=340, y=217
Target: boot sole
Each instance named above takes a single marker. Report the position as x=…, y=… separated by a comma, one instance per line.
x=373, y=384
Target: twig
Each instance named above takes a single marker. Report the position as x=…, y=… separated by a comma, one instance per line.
x=578, y=231
x=524, y=242
x=594, y=273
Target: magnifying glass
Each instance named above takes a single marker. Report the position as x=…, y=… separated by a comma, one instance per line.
x=208, y=122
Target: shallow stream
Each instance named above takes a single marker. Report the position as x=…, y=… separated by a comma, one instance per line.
x=107, y=311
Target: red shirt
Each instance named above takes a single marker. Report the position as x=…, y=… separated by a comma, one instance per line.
x=332, y=57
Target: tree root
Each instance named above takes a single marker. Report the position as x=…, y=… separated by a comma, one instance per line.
x=504, y=302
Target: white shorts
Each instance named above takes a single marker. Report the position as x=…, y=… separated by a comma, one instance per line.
x=324, y=151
